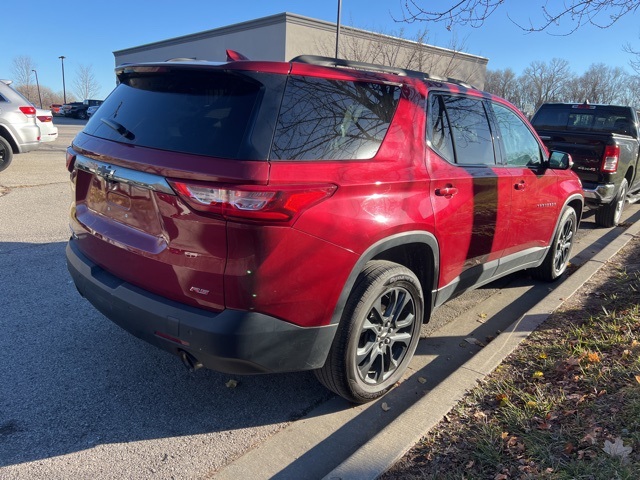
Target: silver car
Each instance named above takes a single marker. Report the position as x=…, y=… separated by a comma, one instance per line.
x=91, y=110
x=19, y=131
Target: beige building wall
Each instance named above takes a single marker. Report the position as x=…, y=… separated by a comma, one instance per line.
x=284, y=36
x=262, y=39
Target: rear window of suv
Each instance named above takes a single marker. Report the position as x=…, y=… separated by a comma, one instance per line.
x=215, y=113
x=229, y=114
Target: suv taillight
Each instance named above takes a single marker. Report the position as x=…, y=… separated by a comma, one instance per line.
x=249, y=202
x=28, y=111
x=45, y=118
x=71, y=160
x=610, y=159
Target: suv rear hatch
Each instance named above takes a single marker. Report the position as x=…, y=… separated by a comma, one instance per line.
x=161, y=125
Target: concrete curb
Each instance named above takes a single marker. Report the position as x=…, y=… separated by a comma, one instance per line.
x=394, y=441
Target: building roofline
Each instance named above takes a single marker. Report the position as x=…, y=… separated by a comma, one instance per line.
x=359, y=32
x=284, y=18
x=215, y=32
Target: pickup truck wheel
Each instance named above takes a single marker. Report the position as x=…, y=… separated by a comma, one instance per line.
x=6, y=154
x=609, y=215
x=82, y=115
x=378, y=333
x=557, y=258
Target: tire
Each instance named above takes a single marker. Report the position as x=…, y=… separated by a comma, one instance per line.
x=374, y=343
x=6, y=154
x=557, y=259
x=82, y=115
x=609, y=215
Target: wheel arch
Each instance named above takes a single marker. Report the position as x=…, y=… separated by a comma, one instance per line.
x=577, y=203
x=8, y=136
x=629, y=174
x=416, y=250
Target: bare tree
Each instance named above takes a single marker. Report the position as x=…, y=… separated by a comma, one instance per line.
x=49, y=97
x=572, y=13
x=395, y=50
x=85, y=83
x=503, y=83
x=23, y=67
x=547, y=82
x=631, y=93
x=635, y=63
x=600, y=84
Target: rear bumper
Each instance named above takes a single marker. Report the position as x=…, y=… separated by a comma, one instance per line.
x=230, y=341
x=599, y=193
x=27, y=137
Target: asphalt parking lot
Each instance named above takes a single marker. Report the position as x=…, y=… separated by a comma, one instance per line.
x=80, y=398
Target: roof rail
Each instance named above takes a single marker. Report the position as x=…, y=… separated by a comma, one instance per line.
x=339, y=62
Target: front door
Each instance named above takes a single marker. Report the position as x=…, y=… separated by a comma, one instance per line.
x=470, y=194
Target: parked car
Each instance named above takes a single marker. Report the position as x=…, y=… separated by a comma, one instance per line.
x=56, y=109
x=306, y=215
x=70, y=109
x=604, y=142
x=18, y=130
x=79, y=109
x=91, y=110
x=44, y=120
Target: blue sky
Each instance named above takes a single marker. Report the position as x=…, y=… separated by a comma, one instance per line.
x=87, y=33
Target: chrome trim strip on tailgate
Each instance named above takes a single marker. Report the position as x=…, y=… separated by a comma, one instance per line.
x=123, y=175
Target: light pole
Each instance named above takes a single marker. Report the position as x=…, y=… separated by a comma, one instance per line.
x=64, y=89
x=38, y=85
x=338, y=27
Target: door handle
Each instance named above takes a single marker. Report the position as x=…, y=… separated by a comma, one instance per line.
x=448, y=191
x=520, y=186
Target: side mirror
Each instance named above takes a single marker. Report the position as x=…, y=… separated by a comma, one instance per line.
x=560, y=161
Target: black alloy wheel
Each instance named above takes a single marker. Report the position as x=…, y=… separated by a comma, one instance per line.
x=557, y=259
x=6, y=154
x=609, y=215
x=378, y=333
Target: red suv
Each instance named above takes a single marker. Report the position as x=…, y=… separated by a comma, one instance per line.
x=256, y=217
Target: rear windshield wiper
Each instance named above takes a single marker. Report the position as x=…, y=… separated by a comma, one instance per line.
x=118, y=127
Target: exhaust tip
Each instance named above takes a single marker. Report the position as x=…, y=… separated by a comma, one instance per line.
x=190, y=361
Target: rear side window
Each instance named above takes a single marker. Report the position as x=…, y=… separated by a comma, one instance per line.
x=215, y=113
x=459, y=130
x=439, y=129
x=331, y=119
x=15, y=93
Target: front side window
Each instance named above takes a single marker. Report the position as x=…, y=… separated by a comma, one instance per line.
x=459, y=130
x=521, y=147
x=333, y=119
